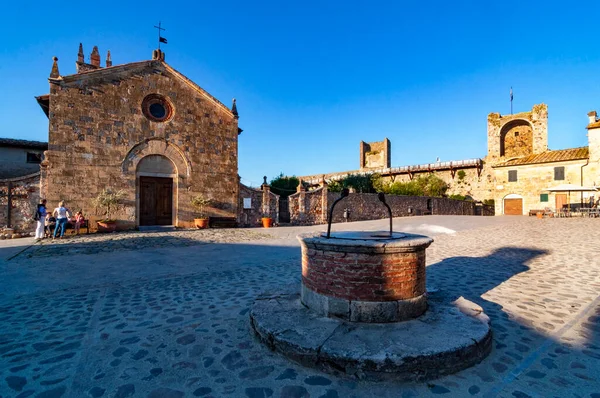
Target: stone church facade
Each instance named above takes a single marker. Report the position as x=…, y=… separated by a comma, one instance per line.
x=145, y=129
x=515, y=173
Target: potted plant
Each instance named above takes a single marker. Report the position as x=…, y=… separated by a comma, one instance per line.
x=109, y=200
x=267, y=221
x=200, y=202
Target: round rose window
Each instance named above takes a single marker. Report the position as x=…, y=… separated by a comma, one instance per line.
x=157, y=108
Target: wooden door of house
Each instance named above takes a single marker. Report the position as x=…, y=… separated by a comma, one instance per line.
x=560, y=201
x=156, y=201
x=513, y=207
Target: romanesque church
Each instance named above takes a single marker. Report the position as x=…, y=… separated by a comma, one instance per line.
x=143, y=128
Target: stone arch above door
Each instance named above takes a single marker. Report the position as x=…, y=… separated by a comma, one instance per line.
x=156, y=146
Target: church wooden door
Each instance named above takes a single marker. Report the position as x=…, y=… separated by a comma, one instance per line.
x=156, y=201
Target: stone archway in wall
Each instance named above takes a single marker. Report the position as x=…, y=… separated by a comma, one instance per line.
x=516, y=139
x=161, y=170
x=512, y=205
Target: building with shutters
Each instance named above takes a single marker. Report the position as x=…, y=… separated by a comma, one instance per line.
x=523, y=167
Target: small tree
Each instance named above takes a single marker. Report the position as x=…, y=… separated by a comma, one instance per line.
x=109, y=200
x=334, y=186
x=200, y=202
x=284, y=186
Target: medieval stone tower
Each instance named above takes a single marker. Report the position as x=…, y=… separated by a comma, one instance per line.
x=518, y=135
x=375, y=154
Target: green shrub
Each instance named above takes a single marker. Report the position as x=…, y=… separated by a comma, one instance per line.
x=334, y=186
x=284, y=186
x=489, y=202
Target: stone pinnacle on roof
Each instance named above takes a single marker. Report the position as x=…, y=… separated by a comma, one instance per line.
x=234, y=109
x=80, y=53
x=108, y=60
x=54, y=74
x=95, y=57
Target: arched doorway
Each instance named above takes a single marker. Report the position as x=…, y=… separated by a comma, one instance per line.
x=155, y=175
x=513, y=205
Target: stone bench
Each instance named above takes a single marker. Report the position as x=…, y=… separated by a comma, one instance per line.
x=70, y=225
x=222, y=222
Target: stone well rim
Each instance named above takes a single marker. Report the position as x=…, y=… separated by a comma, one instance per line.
x=406, y=243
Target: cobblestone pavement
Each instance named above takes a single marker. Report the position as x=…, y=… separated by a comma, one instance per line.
x=101, y=243
x=160, y=319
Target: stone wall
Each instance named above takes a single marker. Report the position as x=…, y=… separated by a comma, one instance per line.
x=99, y=133
x=308, y=208
x=263, y=202
x=25, y=197
x=592, y=171
x=474, y=182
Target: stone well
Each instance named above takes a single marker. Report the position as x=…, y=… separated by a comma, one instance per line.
x=362, y=309
x=364, y=277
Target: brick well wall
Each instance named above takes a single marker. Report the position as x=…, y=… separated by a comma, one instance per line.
x=365, y=277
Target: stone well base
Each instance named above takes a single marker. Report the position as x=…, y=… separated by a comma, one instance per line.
x=451, y=336
x=363, y=311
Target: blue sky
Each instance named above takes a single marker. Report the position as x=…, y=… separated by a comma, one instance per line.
x=314, y=78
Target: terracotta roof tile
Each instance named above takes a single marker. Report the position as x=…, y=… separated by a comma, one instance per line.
x=593, y=125
x=561, y=155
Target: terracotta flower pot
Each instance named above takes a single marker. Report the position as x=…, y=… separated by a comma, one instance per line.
x=267, y=222
x=201, y=223
x=540, y=214
x=107, y=226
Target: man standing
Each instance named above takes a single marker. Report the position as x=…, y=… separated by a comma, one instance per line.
x=62, y=216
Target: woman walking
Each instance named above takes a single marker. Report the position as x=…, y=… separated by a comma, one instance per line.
x=40, y=217
x=62, y=216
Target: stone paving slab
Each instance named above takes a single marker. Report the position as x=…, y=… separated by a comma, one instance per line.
x=69, y=325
